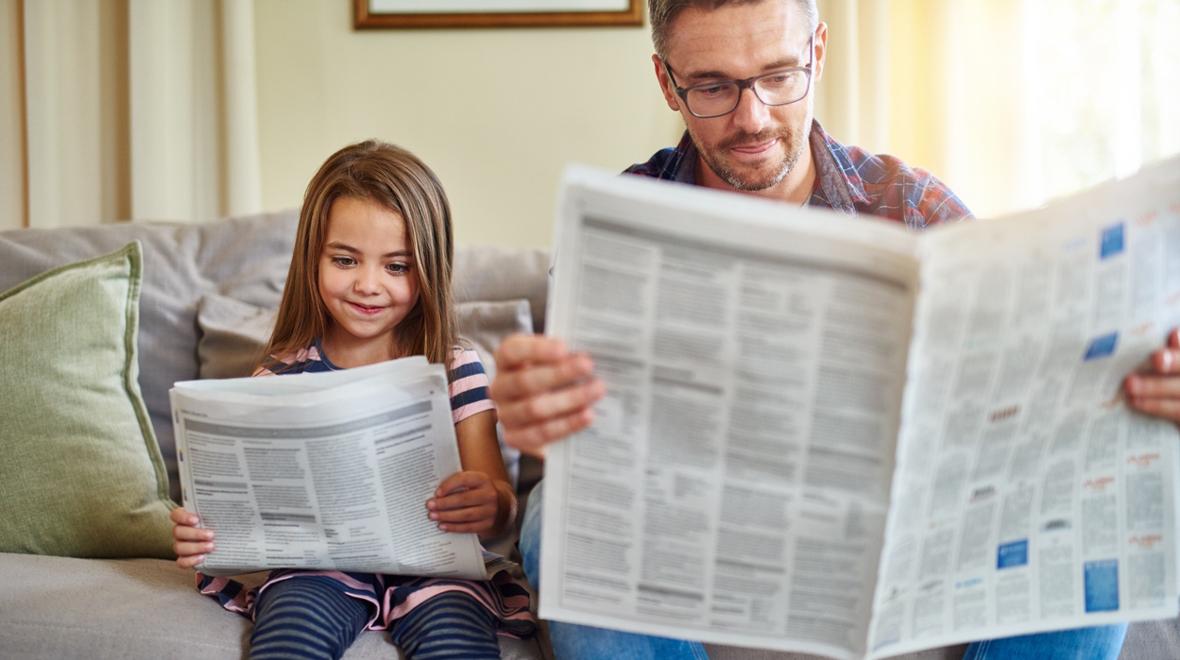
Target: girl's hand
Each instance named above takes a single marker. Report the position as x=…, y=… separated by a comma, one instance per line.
x=467, y=501
x=189, y=542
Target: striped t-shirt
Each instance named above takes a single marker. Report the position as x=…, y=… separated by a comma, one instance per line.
x=468, y=380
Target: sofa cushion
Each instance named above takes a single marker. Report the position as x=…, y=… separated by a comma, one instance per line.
x=483, y=324
x=181, y=262
x=491, y=272
x=82, y=474
x=232, y=334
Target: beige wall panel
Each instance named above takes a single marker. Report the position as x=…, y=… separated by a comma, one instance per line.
x=76, y=80
x=12, y=166
x=170, y=105
x=496, y=112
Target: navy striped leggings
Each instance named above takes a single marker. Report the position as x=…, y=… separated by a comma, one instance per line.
x=312, y=617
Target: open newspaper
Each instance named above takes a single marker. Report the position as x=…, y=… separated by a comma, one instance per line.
x=835, y=436
x=323, y=470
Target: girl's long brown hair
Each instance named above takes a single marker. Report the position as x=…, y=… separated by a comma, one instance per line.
x=397, y=180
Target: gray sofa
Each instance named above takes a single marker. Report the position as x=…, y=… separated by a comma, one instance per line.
x=196, y=279
x=196, y=276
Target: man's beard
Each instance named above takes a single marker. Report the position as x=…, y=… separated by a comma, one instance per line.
x=791, y=140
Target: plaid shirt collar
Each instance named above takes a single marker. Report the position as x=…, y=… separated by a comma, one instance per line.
x=847, y=179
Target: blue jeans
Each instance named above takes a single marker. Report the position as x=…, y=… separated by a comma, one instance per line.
x=1097, y=643
x=574, y=642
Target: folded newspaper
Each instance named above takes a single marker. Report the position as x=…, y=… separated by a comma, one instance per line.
x=323, y=470
x=836, y=436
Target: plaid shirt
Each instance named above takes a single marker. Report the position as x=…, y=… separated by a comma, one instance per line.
x=848, y=179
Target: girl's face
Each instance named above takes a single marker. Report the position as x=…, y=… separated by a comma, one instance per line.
x=367, y=279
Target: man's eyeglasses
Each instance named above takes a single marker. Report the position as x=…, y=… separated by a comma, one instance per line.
x=714, y=99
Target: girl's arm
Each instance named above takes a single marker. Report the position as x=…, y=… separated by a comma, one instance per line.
x=478, y=499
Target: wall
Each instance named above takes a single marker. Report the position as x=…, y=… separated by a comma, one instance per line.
x=117, y=109
x=12, y=157
x=496, y=112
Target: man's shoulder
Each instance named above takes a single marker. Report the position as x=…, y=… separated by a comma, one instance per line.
x=670, y=163
x=654, y=166
x=886, y=186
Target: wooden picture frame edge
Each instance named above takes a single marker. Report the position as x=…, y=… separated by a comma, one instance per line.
x=362, y=19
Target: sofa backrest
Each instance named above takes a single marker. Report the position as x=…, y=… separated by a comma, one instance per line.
x=243, y=258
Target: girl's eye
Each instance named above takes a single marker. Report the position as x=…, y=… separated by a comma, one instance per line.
x=398, y=268
x=343, y=261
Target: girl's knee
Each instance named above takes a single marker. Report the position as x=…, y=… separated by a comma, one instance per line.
x=305, y=618
x=450, y=625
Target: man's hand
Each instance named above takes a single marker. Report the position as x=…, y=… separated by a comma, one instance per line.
x=542, y=391
x=1156, y=391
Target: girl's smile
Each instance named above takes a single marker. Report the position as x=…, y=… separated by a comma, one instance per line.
x=367, y=309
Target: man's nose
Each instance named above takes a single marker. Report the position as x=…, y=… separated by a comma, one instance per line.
x=751, y=114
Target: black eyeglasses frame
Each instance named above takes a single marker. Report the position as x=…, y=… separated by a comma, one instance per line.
x=744, y=84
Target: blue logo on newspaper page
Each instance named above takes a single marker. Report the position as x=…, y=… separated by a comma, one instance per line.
x=1011, y=555
x=1102, y=346
x=1102, y=585
x=1112, y=241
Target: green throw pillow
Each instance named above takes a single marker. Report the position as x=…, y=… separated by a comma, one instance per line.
x=80, y=472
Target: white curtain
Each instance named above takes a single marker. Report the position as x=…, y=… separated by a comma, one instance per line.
x=1011, y=102
x=132, y=109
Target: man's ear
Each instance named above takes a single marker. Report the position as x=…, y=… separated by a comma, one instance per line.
x=670, y=97
x=821, y=50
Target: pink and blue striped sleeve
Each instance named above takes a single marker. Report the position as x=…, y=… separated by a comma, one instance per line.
x=469, y=386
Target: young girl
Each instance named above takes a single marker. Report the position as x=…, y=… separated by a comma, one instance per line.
x=370, y=280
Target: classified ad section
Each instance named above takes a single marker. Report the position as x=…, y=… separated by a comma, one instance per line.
x=734, y=486
x=1028, y=497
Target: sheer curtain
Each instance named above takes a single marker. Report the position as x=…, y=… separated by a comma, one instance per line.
x=1011, y=102
x=139, y=109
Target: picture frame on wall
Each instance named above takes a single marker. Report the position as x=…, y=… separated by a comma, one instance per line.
x=377, y=14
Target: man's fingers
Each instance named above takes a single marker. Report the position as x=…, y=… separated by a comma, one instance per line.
x=521, y=349
x=1153, y=387
x=532, y=439
x=539, y=378
x=1168, y=409
x=1166, y=361
x=551, y=405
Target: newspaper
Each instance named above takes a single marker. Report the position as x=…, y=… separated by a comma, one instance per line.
x=834, y=436
x=324, y=471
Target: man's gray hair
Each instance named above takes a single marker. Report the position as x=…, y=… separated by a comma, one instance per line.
x=663, y=12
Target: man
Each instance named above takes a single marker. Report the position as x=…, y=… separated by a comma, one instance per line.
x=742, y=74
